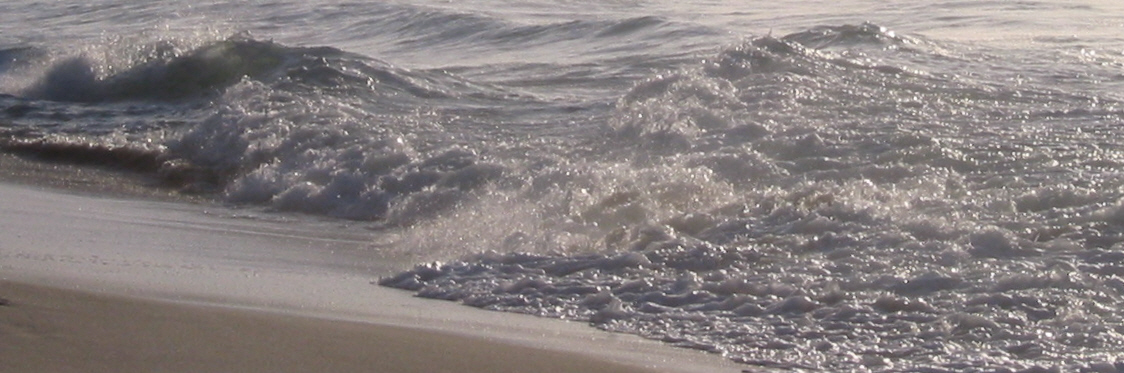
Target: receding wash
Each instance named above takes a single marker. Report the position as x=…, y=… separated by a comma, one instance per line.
x=835, y=186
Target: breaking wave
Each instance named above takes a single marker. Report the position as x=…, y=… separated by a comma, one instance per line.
x=164, y=73
x=831, y=200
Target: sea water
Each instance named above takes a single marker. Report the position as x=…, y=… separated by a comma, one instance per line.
x=818, y=185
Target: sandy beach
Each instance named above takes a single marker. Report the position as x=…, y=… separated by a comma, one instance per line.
x=53, y=330
x=105, y=284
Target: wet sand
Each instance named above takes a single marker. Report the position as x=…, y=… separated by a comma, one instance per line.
x=45, y=329
x=101, y=284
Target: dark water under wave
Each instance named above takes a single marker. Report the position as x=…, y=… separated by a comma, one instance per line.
x=920, y=193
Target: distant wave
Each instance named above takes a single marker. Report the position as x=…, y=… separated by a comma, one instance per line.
x=429, y=28
x=207, y=70
x=435, y=34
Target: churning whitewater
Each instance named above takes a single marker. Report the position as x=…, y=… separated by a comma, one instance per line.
x=788, y=186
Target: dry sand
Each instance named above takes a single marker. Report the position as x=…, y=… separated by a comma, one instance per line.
x=45, y=329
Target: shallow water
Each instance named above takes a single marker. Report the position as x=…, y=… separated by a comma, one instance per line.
x=823, y=186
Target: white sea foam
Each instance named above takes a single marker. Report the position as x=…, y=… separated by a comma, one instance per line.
x=784, y=227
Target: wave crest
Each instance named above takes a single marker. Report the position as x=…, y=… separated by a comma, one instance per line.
x=849, y=36
x=196, y=73
x=167, y=75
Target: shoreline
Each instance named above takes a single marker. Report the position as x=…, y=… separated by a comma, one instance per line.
x=212, y=263
x=91, y=180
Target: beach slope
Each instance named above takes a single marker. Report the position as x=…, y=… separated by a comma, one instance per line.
x=97, y=284
x=45, y=329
